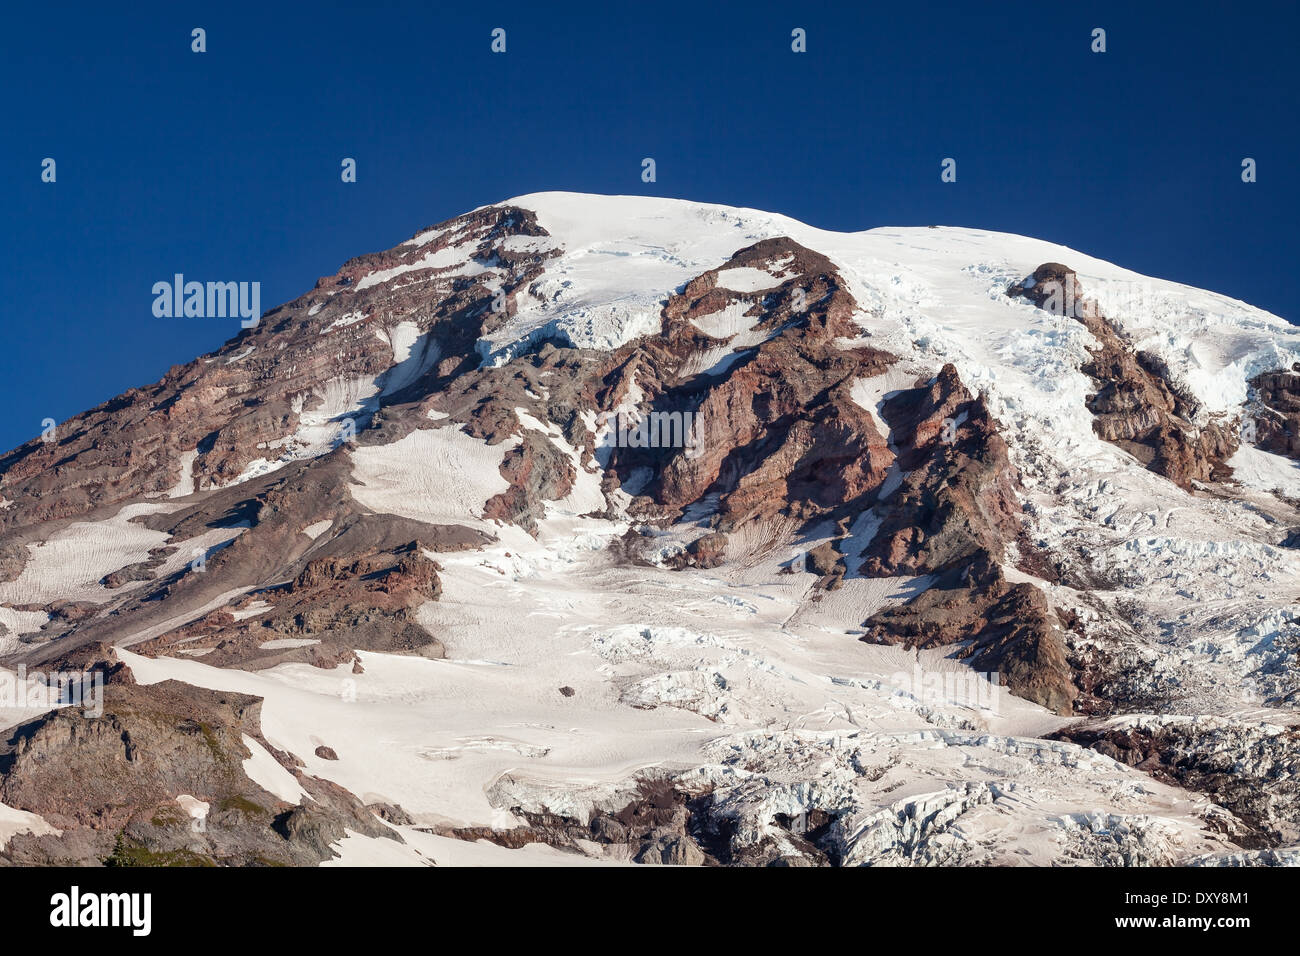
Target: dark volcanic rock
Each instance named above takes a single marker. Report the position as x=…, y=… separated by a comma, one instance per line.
x=827, y=563
x=706, y=552
x=93, y=659
x=1136, y=406
x=139, y=571
x=778, y=433
x=113, y=783
x=339, y=603
x=1250, y=769
x=958, y=498
x=1276, y=401
x=997, y=626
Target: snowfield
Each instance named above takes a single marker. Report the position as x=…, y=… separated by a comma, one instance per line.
x=698, y=685
x=742, y=678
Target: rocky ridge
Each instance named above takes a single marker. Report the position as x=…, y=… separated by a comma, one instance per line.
x=806, y=440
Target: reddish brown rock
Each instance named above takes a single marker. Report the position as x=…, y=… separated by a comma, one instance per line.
x=827, y=563
x=1135, y=406
x=707, y=551
x=953, y=515
x=537, y=472
x=241, y=402
x=957, y=498
x=778, y=433
x=339, y=603
x=997, y=626
x=1276, y=407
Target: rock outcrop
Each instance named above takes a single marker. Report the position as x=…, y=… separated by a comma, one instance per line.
x=997, y=627
x=312, y=371
x=747, y=459
x=759, y=387
x=340, y=602
x=1135, y=406
x=1251, y=769
x=957, y=496
x=158, y=779
x=1276, y=400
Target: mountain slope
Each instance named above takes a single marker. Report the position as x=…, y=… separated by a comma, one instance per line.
x=644, y=530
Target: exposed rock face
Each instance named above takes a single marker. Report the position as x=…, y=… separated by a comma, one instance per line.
x=1251, y=769
x=958, y=496
x=706, y=551
x=13, y=558
x=339, y=603
x=812, y=461
x=158, y=779
x=1277, y=422
x=761, y=383
x=1135, y=406
x=201, y=754
x=827, y=563
x=998, y=627
x=538, y=472
x=954, y=515
x=93, y=660
x=766, y=380
x=780, y=434
x=272, y=512
x=554, y=386
x=140, y=570
x=289, y=384
x=655, y=826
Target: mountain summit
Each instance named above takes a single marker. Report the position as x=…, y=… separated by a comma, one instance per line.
x=593, y=528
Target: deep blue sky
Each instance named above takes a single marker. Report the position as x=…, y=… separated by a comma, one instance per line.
x=225, y=165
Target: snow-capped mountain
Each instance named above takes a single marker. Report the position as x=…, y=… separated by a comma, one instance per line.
x=610, y=529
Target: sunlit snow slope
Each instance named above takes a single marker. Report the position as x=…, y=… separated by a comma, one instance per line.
x=599, y=649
